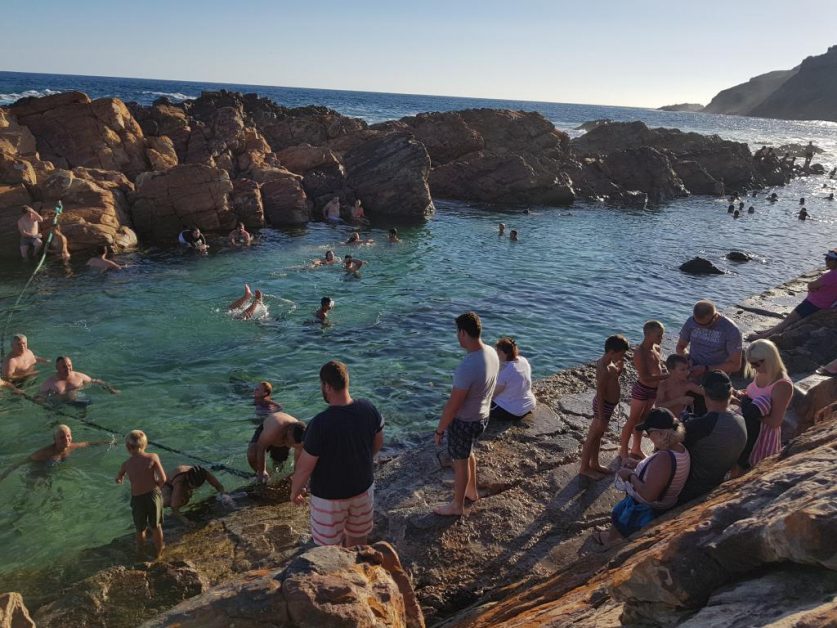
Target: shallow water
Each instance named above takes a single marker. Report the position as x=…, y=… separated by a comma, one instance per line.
x=160, y=333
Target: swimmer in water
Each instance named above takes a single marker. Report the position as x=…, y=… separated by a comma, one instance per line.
x=394, y=239
x=21, y=362
x=730, y=209
x=803, y=214
x=258, y=301
x=193, y=238
x=352, y=264
x=66, y=381
x=513, y=235
x=751, y=210
x=326, y=304
x=263, y=400
x=355, y=239
x=101, y=262
x=60, y=449
x=240, y=236
x=502, y=229
x=736, y=214
x=830, y=197
x=327, y=260
x=240, y=302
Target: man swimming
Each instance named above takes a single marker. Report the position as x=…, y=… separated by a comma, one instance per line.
x=20, y=363
x=101, y=262
x=240, y=236
x=325, y=307
x=193, y=238
x=394, y=239
x=355, y=239
x=66, y=381
x=352, y=264
x=326, y=260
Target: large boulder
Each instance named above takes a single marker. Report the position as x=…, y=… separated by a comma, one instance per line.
x=325, y=586
x=446, y=136
x=389, y=175
x=15, y=139
x=284, y=198
x=71, y=131
x=647, y=170
x=300, y=159
x=503, y=178
x=13, y=612
x=188, y=194
x=696, y=179
x=246, y=200
x=700, y=266
x=809, y=342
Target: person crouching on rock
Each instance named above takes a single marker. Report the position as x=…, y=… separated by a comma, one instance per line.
x=181, y=482
x=652, y=487
x=277, y=435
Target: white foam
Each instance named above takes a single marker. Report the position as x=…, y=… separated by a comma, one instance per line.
x=171, y=95
x=8, y=99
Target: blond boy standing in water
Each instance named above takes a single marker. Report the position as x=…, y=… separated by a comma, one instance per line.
x=649, y=368
x=608, y=392
x=147, y=478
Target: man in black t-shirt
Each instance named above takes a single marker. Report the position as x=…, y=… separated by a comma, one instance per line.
x=337, y=455
x=714, y=440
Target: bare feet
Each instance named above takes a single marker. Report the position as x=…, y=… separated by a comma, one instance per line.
x=449, y=510
x=590, y=473
x=472, y=497
x=247, y=292
x=603, y=470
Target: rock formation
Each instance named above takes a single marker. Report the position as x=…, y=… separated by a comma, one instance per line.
x=691, y=107
x=700, y=266
x=741, y=99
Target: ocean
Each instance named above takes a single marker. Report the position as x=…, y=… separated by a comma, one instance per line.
x=160, y=333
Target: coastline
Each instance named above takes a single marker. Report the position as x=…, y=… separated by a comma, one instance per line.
x=532, y=521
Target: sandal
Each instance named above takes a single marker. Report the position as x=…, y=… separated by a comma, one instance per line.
x=824, y=371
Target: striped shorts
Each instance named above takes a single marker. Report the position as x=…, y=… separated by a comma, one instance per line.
x=332, y=519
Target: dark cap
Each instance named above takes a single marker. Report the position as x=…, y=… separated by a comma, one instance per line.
x=658, y=419
x=717, y=385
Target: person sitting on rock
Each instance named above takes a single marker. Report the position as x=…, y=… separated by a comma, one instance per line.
x=822, y=294
x=653, y=485
x=277, y=435
x=513, y=397
x=358, y=215
x=192, y=238
x=240, y=236
x=331, y=211
x=181, y=482
x=59, y=244
x=101, y=262
x=28, y=225
x=21, y=361
x=677, y=393
x=715, y=440
x=763, y=403
x=321, y=315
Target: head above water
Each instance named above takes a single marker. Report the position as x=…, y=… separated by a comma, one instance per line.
x=329, y=255
x=19, y=342
x=326, y=303
x=62, y=436
x=470, y=324
x=263, y=390
x=136, y=440
x=63, y=365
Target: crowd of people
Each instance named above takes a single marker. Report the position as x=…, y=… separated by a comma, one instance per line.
x=701, y=429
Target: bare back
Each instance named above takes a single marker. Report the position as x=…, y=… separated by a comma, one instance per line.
x=607, y=381
x=648, y=363
x=144, y=472
x=277, y=430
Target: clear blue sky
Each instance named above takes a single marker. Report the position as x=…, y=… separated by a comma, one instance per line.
x=621, y=52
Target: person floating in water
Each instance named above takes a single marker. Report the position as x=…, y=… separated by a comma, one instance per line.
x=513, y=235
x=257, y=304
x=394, y=239
x=28, y=225
x=238, y=309
x=773, y=197
x=21, y=362
x=240, y=236
x=59, y=450
x=331, y=211
x=147, y=477
x=355, y=239
x=326, y=260
x=66, y=381
x=192, y=238
x=263, y=400
x=181, y=483
x=803, y=214
x=352, y=265
x=502, y=229
x=101, y=262
x=326, y=304
x=358, y=215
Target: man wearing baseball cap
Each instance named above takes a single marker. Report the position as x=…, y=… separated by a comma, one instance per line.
x=714, y=440
x=822, y=294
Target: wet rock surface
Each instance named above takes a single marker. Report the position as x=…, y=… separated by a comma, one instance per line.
x=700, y=266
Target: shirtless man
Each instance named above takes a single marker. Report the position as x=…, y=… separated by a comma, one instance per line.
x=59, y=243
x=62, y=446
x=331, y=211
x=67, y=381
x=20, y=363
x=327, y=260
x=609, y=368
x=101, y=262
x=181, y=482
x=649, y=367
x=263, y=401
x=29, y=227
x=673, y=393
x=277, y=434
x=325, y=307
x=240, y=236
x=355, y=239
x=352, y=264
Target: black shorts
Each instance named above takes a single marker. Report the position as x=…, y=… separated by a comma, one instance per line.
x=806, y=308
x=498, y=412
x=462, y=435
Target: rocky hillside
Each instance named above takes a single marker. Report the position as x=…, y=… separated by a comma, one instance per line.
x=807, y=92
x=686, y=106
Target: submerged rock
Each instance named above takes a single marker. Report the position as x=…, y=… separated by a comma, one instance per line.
x=700, y=266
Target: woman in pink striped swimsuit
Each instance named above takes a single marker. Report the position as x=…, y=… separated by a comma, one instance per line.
x=771, y=390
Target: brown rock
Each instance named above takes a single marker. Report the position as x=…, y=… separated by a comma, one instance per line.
x=284, y=198
x=161, y=153
x=389, y=175
x=517, y=131
x=647, y=170
x=446, y=136
x=13, y=612
x=300, y=159
x=696, y=179
x=12, y=199
x=14, y=170
x=15, y=138
x=807, y=344
x=187, y=194
x=246, y=199
x=72, y=131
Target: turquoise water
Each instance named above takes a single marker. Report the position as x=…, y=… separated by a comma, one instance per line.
x=160, y=333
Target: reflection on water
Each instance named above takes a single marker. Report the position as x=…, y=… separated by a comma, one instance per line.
x=160, y=333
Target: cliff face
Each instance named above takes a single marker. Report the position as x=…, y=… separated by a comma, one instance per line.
x=742, y=99
x=807, y=92
x=811, y=94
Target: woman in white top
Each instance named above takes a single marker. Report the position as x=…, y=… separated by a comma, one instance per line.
x=513, y=397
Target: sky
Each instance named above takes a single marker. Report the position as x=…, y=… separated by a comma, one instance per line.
x=644, y=53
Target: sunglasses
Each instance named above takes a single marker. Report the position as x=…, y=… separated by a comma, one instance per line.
x=756, y=364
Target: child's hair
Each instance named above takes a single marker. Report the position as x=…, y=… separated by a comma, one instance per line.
x=616, y=343
x=651, y=326
x=136, y=440
x=674, y=359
